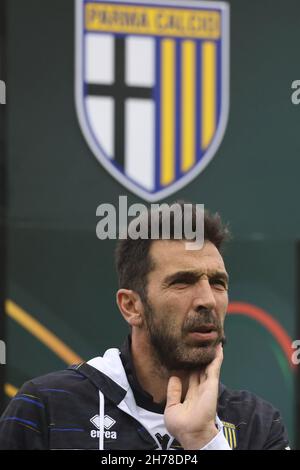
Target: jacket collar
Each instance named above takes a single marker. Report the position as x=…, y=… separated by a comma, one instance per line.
x=143, y=398
x=108, y=375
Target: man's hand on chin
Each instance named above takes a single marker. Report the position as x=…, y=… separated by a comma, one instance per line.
x=192, y=422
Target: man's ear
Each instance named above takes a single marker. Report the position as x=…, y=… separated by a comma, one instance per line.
x=130, y=306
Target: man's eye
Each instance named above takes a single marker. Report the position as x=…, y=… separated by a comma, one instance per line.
x=180, y=282
x=219, y=283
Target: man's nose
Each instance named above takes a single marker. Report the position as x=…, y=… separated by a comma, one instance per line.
x=204, y=295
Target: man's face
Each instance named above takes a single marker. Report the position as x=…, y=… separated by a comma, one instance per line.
x=187, y=299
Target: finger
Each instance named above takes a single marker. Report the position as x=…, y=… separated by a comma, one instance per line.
x=194, y=383
x=194, y=379
x=174, y=391
x=214, y=368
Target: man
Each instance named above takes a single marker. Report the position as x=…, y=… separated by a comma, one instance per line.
x=162, y=390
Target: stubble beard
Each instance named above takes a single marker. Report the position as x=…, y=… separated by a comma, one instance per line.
x=177, y=352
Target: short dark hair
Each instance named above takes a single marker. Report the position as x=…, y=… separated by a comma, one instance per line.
x=133, y=261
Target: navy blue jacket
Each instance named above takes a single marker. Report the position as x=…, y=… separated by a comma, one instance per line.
x=84, y=407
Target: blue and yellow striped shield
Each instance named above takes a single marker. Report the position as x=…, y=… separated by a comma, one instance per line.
x=229, y=430
x=152, y=88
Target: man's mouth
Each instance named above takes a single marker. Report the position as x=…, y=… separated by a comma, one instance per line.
x=206, y=328
x=207, y=332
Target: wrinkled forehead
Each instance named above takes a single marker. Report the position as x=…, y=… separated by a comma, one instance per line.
x=172, y=255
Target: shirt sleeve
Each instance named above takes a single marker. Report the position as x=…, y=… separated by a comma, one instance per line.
x=23, y=424
x=219, y=442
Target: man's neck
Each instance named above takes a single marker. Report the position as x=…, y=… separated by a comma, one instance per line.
x=150, y=373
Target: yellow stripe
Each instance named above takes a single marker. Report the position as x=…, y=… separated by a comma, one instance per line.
x=208, y=92
x=167, y=111
x=31, y=396
x=188, y=105
x=29, y=427
x=40, y=332
x=225, y=432
x=230, y=437
x=234, y=438
x=10, y=390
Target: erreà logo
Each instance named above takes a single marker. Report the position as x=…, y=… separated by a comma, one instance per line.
x=108, y=424
x=152, y=88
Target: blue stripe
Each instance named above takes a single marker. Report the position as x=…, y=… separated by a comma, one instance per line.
x=14, y=418
x=54, y=390
x=199, y=72
x=157, y=114
x=29, y=400
x=178, y=124
x=67, y=429
x=219, y=80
